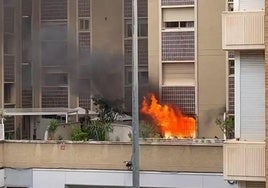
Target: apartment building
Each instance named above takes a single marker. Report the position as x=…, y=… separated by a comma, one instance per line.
x=243, y=33
x=185, y=61
x=48, y=49
x=51, y=53
x=52, y=49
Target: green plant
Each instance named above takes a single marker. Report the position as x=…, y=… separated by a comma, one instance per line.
x=78, y=135
x=53, y=125
x=98, y=130
x=148, y=130
x=227, y=126
x=107, y=109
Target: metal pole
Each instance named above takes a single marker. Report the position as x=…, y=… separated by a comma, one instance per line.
x=135, y=97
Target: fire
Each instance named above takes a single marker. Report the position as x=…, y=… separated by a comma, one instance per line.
x=170, y=120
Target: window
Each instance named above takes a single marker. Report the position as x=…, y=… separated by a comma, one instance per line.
x=230, y=5
x=84, y=24
x=187, y=24
x=179, y=24
x=8, y=93
x=142, y=28
x=231, y=66
x=143, y=76
x=56, y=79
x=128, y=77
x=26, y=76
x=172, y=24
x=54, y=31
x=178, y=74
x=128, y=28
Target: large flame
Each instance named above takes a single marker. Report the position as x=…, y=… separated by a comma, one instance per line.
x=169, y=119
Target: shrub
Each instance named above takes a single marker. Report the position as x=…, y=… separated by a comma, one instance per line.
x=148, y=130
x=53, y=125
x=98, y=130
x=78, y=135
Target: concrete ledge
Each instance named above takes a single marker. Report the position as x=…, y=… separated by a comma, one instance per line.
x=111, y=155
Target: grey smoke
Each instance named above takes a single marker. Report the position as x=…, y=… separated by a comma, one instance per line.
x=98, y=73
x=105, y=72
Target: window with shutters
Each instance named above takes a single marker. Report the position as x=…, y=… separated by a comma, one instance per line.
x=178, y=18
x=178, y=74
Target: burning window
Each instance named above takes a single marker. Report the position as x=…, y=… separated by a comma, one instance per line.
x=170, y=120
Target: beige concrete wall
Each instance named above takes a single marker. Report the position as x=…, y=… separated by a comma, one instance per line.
x=154, y=44
x=153, y=157
x=36, y=53
x=18, y=56
x=266, y=89
x=107, y=43
x=73, y=50
x=1, y=154
x=107, y=26
x=1, y=54
x=211, y=67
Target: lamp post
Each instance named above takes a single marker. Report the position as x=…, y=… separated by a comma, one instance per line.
x=135, y=97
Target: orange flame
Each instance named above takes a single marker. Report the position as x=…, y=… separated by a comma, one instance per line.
x=171, y=121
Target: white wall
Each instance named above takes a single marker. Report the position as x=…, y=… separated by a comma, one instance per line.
x=120, y=133
x=18, y=177
x=2, y=177
x=249, y=5
x=57, y=178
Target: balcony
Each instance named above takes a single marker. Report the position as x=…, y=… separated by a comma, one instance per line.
x=243, y=30
x=244, y=161
x=166, y=155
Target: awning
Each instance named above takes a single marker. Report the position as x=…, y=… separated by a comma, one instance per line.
x=82, y=111
x=39, y=111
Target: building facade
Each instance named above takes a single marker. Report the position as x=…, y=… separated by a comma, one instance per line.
x=52, y=51
x=186, y=62
x=58, y=53
x=243, y=35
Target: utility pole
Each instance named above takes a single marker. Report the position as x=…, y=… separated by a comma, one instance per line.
x=135, y=97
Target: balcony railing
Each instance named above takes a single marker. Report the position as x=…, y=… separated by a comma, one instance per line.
x=244, y=161
x=243, y=30
x=161, y=155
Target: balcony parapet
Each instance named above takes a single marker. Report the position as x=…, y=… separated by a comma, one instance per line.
x=243, y=30
x=244, y=161
x=156, y=155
